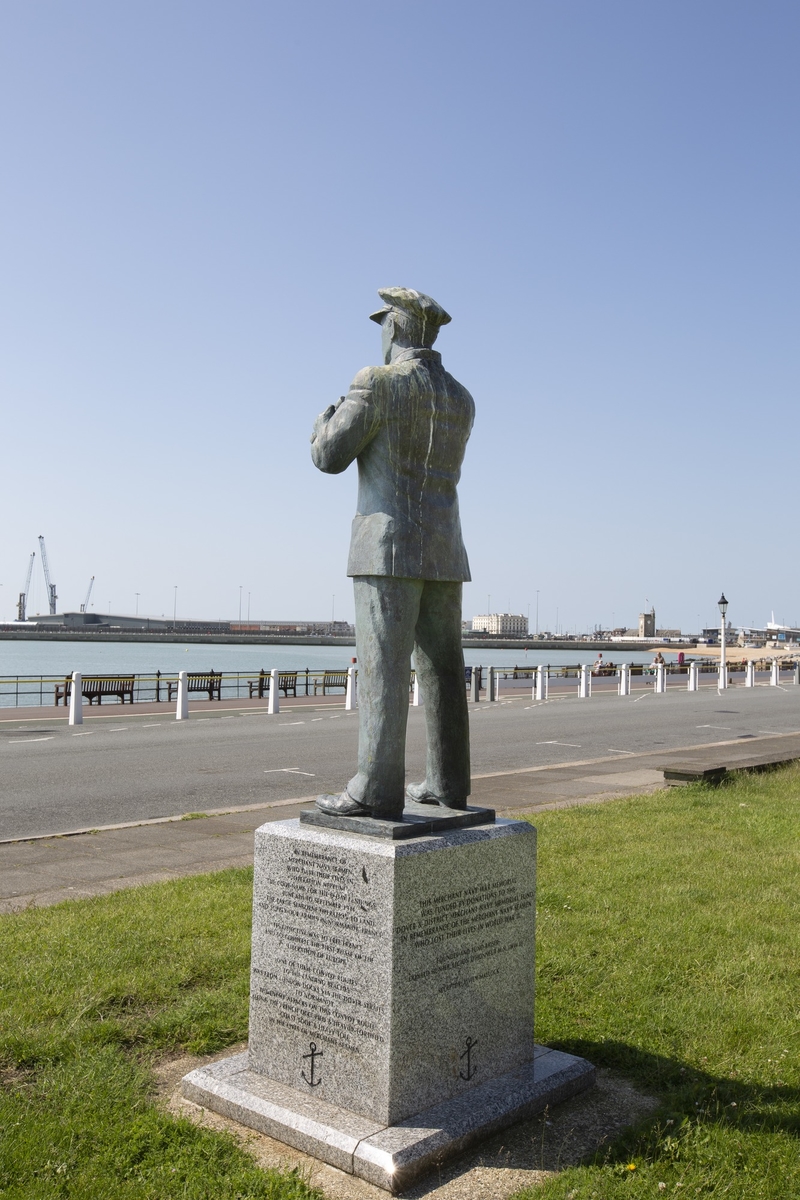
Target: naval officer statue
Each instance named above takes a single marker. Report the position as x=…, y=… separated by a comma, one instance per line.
x=407, y=425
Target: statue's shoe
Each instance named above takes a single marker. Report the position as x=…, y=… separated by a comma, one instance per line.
x=342, y=805
x=419, y=792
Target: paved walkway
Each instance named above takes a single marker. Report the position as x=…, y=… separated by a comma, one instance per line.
x=46, y=870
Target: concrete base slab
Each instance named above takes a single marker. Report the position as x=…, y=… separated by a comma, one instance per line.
x=390, y=1157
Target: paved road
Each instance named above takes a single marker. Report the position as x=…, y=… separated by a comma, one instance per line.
x=121, y=767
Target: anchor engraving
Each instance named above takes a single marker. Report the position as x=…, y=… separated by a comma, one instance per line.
x=313, y=1056
x=470, y=1043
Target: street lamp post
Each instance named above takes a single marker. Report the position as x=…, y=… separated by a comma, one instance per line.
x=723, y=672
x=138, y=594
x=174, y=606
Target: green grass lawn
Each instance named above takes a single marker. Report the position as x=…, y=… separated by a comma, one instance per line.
x=667, y=949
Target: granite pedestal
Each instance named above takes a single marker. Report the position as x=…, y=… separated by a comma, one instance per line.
x=392, y=990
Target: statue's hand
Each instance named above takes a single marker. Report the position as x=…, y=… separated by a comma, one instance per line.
x=323, y=418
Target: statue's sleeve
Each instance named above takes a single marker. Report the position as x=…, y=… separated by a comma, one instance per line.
x=340, y=437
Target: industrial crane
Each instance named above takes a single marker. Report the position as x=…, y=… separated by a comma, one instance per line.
x=51, y=587
x=23, y=596
x=85, y=605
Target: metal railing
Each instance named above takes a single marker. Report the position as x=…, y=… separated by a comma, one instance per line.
x=19, y=691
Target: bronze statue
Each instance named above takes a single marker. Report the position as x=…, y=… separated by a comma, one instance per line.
x=406, y=424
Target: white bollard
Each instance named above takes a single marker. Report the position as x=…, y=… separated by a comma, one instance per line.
x=797, y=673
x=661, y=678
x=542, y=680
x=775, y=673
x=416, y=696
x=351, y=694
x=722, y=680
x=475, y=685
x=624, y=688
x=76, y=700
x=490, y=684
x=585, y=682
x=274, y=704
x=693, y=683
x=182, y=711
x=750, y=673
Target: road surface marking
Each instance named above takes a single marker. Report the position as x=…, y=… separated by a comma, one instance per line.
x=611, y=750
x=16, y=741
x=284, y=723
x=288, y=771
x=88, y=733
x=117, y=728
x=313, y=719
x=713, y=726
x=155, y=725
x=575, y=745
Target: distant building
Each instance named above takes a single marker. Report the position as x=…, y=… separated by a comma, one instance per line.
x=503, y=624
x=647, y=624
x=107, y=621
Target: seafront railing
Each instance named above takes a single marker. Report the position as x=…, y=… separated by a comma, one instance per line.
x=27, y=691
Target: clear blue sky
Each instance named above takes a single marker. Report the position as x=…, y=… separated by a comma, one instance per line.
x=201, y=199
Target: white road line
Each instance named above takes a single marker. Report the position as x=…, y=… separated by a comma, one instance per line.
x=643, y=696
x=16, y=741
x=88, y=733
x=336, y=718
x=288, y=771
x=575, y=745
x=155, y=725
x=713, y=727
x=611, y=750
x=283, y=724
x=117, y=728
x=313, y=719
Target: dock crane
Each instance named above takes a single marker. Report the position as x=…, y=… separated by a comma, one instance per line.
x=23, y=596
x=85, y=605
x=51, y=587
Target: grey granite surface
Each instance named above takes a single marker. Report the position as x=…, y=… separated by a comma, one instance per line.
x=390, y=1157
x=389, y=976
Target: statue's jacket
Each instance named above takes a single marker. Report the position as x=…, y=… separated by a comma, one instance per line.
x=407, y=424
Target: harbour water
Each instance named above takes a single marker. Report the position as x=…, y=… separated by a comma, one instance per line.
x=29, y=658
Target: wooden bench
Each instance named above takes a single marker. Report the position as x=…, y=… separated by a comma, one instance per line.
x=287, y=682
x=94, y=687
x=331, y=679
x=210, y=682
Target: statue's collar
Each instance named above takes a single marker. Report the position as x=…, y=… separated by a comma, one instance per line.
x=424, y=354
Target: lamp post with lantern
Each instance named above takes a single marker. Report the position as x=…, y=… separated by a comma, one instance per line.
x=723, y=672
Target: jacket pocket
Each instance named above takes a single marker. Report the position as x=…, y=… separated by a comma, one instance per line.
x=371, y=545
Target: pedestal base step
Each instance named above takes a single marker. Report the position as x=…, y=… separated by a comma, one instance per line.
x=418, y=821
x=390, y=1157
